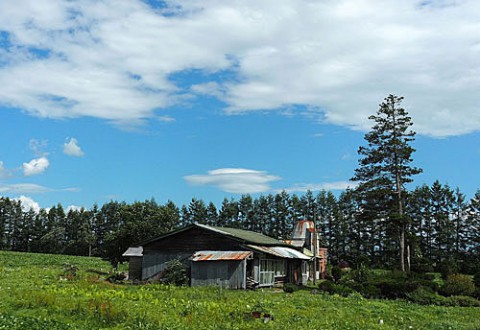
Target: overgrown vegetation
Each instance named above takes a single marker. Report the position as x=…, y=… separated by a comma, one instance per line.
x=426, y=289
x=33, y=295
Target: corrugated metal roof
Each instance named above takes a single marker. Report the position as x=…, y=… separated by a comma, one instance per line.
x=296, y=242
x=245, y=235
x=280, y=251
x=220, y=255
x=133, y=251
x=239, y=234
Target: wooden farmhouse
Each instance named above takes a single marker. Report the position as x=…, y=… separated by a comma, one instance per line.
x=229, y=257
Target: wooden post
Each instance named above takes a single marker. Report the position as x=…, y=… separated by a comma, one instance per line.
x=315, y=243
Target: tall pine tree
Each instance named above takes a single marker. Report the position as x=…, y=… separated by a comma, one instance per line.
x=385, y=165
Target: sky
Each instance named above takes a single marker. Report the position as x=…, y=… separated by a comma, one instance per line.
x=130, y=100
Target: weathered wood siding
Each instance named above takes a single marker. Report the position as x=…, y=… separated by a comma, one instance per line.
x=225, y=273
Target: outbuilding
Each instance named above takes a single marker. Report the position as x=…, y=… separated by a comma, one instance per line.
x=229, y=257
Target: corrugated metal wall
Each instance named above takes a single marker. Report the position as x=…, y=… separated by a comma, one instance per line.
x=226, y=273
x=153, y=263
x=135, y=268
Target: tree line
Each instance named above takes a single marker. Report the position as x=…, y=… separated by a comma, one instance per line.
x=379, y=223
x=444, y=225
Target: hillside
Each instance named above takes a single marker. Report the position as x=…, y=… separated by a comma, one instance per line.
x=39, y=291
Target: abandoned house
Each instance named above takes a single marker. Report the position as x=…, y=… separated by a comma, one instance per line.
x=229, y=257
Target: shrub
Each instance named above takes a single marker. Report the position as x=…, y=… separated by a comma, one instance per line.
x=370, y=291
x=70, y=272
x=425, y=296
x=447, y=267
x=458, y=285
x=421, y=265
x=289, y=288
x=476, y=279
x=396, y=288
x=463, y=301
x=332, y=288
x=336, y=273
x=476, y=293
x=175, y=273
x=116, y=277
x=326, y=286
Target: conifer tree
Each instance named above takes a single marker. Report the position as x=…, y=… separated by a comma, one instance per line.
x=385, y=165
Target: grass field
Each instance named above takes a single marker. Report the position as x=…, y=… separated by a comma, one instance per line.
x=37, y=293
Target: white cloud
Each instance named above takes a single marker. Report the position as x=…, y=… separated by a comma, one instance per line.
x=23, y=188
x=35, y=166
x=327, y=186
x=38, y=147
x=73, y=208
x=28, y=204
x=115, y=60
x=72, y=148
x=234, y=180
x=30, y=188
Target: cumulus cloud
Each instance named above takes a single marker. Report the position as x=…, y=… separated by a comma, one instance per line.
x=118, y=60
x=234, y=180
x=327, y=186
x=35, y=166
x=72, y=148
x=28, y=204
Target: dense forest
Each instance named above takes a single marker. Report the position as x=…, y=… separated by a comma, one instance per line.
x=443, y=227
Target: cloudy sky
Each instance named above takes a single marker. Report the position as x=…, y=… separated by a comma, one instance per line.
x=132, y=99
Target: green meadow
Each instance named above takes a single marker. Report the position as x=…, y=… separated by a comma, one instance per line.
x=39, y=291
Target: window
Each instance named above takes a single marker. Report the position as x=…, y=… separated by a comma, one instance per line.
x=269, y=269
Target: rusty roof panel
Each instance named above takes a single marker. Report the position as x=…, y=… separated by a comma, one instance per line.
x=220, y=255
x=301, y=227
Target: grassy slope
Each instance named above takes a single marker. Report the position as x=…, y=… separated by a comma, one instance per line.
x=33, y=295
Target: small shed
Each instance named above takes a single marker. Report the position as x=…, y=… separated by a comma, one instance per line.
x=135, y=255
x=223, y=268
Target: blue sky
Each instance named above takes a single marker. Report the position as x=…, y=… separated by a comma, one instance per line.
x=131, y=100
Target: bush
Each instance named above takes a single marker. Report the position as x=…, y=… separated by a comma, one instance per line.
x=425, y=296
x=463, y=301
x=369, y=291
x=476, y=279
x=175, y=273
x=458, y=285
x=447, y=267
x=332, y=288
x=336, y=273
x=326, y=286
x=116, y=277
x=476, y=293
x=421, y=265
x=396, y=288
x=289, y=288
x=70, y=272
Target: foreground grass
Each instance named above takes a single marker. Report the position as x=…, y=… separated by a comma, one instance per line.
x=34, y=294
